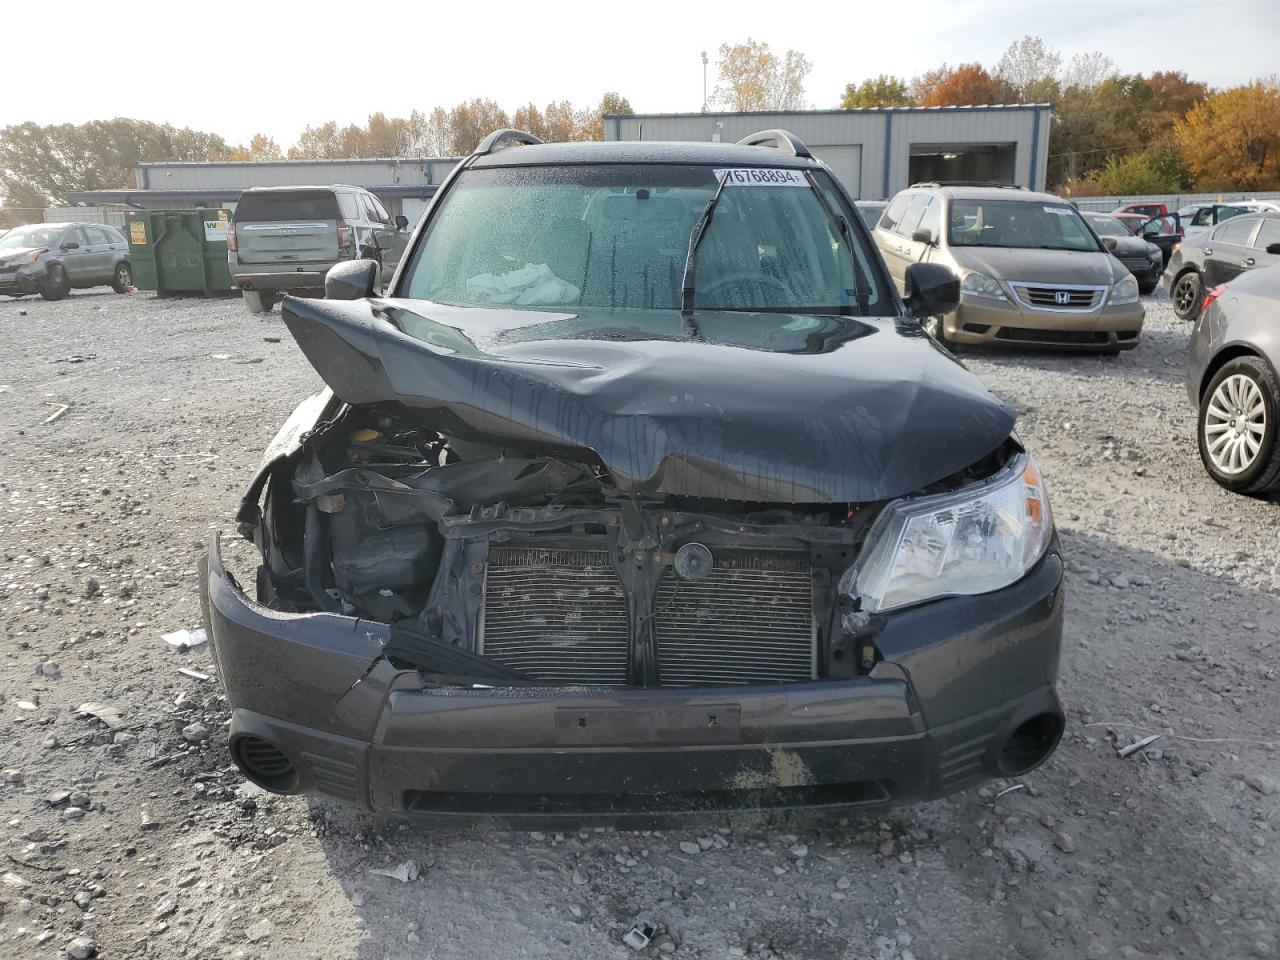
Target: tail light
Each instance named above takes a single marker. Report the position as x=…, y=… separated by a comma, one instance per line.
x=346, y=236
x=1213, y=295
x=232, y=243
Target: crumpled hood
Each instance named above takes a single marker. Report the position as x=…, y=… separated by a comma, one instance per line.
x=11, y=257
x=761, y=407
x=1041, y=266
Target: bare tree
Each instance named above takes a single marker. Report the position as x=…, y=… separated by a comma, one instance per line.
x=1026, y=64
x=1088, y=70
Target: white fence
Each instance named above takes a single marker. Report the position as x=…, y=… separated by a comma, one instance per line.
x=1172, y=200
x=112, y=215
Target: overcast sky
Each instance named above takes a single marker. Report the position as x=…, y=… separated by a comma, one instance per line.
x=235, y=68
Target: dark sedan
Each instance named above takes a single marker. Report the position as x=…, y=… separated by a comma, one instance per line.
x=1140, y=257
x=1165, y=231
x=1241, y=244
x=1231, y=378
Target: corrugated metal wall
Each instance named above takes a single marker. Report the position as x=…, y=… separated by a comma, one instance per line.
x=407, y=172
x=112, y=215
x=884, y=137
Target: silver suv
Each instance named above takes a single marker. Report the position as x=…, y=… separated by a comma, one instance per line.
x=284, y=239
x=52, y=258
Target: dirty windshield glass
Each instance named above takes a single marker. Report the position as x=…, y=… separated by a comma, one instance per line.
x=1018, y=223
x=617, y=237
x=293, y=205
x=20, y=237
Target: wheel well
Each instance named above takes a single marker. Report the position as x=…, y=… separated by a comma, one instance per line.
x=1188, y=268
x=1221, y=360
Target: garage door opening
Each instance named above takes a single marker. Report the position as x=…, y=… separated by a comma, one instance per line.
x=970, y=163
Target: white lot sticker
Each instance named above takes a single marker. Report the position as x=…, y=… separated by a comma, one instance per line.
x=1060, y=211
x=757, y=177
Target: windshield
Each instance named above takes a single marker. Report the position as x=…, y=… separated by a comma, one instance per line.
x=36, y=235
x=617, y=236
x=1019, y=224
x=1108, y=227
x=291, y=205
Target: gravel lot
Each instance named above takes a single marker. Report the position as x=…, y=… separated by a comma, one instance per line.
x=129, y=839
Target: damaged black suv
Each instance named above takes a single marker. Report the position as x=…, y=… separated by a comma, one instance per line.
x=641, y=493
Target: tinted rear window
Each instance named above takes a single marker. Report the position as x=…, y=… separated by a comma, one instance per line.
x=297, y=205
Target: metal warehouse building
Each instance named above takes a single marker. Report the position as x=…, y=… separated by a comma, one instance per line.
x=404, y=185
x=877, y=152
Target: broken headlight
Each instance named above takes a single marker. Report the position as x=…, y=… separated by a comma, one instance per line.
x=974, y=540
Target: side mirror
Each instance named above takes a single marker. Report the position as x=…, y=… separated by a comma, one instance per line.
x=932, y=290
x=922, y=236
x=1273, y=249
x=71, y=245
x=351, y=280
x=402, y=222
x=1109, y=243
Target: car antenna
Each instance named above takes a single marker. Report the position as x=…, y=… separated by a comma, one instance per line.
x=695, y=238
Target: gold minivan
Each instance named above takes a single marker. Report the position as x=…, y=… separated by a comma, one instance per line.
x=1032, y=271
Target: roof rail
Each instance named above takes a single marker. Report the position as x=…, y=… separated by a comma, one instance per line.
x=782, y=139
x=966, y=183
x=499, y=137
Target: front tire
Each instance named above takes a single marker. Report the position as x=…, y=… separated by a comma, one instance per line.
x=122, y=280
x=257, y=301
x=1186, y=294
x=1237, y=426
x=55, y=285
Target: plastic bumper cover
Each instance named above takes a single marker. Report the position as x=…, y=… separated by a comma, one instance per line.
x=959, y=676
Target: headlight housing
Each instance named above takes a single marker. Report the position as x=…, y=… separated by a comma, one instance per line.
x=980, y=285
x=1125, y=291
x=974, y=540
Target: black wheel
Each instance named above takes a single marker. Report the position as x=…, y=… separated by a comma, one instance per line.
x=123, y=278
x=1186, y=295
x=1236, y=429
x=55, y=285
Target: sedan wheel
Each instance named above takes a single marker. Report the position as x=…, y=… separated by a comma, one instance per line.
x=1186, y=296
x=1237, y=429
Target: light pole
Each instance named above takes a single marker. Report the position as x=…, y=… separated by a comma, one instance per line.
x=704, y=81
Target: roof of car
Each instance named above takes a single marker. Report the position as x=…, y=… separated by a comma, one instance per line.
x=989, y=193
x=298, y=187
x=642, y=151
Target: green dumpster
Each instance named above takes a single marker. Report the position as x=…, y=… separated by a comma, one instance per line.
x=179, y=251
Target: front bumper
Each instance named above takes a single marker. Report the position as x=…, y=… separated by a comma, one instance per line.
x=984, y=321
x=958, y=677
x=21, y=281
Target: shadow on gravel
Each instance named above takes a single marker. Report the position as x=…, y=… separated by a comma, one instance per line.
x=1095, y=856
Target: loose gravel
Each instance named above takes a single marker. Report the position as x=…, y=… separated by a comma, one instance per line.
x=126, y=833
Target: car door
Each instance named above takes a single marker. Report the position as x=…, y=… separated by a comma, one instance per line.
x=73, y=253
x=900, y=249
x=887, y=239
x=98, y=264
x=1266, y=245
x=1227, y=251
x=390, y=239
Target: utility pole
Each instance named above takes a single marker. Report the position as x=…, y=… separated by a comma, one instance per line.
x=704, y=81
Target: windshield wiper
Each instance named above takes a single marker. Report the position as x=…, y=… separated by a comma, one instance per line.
x=695, y=238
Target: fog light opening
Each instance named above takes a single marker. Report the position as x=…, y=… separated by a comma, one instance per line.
x=265, y=764
x=1031, y=743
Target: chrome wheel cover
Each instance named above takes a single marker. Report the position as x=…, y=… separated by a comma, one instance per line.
x=1235, y=422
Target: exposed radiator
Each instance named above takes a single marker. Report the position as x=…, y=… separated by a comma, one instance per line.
x=749, y=621
x=559, y=616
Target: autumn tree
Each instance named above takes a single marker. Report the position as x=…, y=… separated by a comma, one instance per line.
x=752, y=77
x=613, y=104
x=967, y=84
x=1231, y=140
x=881, y=91
x=260, y=147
